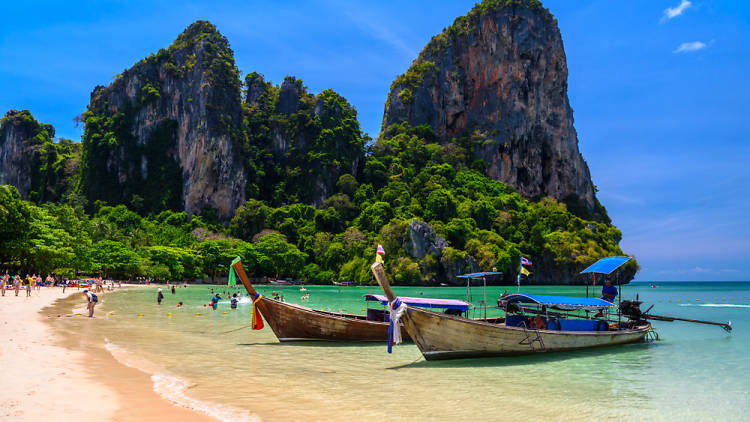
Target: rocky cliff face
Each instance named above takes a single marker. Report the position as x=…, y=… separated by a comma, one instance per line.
x=40, y=169
x=166, y=133
x=17, y=150
x=496, y=83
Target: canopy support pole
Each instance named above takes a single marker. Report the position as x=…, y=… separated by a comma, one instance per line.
x=484, y=279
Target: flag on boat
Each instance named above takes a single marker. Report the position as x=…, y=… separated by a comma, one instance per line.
x=232, y=276
x=524, y=271
x=525, y=261
x=380, y=254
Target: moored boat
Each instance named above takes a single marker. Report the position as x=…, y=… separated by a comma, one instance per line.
x=443, y=336
x=291, y=322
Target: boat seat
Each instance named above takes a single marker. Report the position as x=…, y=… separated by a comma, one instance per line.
x=377, y=315
x=514, y=320
x=582, y=325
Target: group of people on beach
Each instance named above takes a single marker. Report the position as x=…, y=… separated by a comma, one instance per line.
x=29, y=283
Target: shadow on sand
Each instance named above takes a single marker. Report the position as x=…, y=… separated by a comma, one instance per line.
x=528, y=359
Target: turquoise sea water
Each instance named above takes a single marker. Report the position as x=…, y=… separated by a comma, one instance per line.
x=215, y=362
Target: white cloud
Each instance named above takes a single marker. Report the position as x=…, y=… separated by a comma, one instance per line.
x=696, y=270
x=673, y=12
x=689, y=47
x=377, y=27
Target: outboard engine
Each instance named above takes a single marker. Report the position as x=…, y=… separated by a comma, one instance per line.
x=631, y=309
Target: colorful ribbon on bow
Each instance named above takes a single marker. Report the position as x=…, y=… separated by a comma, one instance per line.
x=396, y=309
x=257, y=322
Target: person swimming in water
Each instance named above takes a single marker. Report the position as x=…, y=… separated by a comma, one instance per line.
x=179, y=305
x=159, y=297
x=233, y=301
x=215, y=301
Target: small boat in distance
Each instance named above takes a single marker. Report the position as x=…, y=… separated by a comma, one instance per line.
x=343, y=283
x=284, y=282
x=291, y=322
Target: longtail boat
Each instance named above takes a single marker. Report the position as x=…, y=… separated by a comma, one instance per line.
x=443, y=336
x=291, y=322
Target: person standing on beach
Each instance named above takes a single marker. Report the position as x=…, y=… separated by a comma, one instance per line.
x=64, y=283
x=93, y=300
x=6, y=277
x=16, y=283
x=29, y=282
x=159, y=297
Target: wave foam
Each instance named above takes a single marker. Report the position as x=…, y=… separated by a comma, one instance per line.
x=173, y=388
x=716, y=305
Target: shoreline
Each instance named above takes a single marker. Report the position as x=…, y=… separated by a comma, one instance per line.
x=50, y=372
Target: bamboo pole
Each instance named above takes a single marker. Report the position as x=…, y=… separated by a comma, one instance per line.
x=727, y=327
x=379, y=273
x=240, y=270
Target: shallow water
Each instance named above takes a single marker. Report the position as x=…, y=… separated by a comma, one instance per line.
x=215, y=362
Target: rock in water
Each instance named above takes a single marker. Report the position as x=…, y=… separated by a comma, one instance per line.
x=167, y=133
x=496, y=80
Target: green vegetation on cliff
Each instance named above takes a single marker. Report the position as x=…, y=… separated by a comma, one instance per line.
x=297, y=144
x=409, y=177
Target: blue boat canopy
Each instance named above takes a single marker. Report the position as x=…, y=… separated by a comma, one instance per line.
x=423, y=302
x=606, y=265
x=478, y=275
x=559, y=302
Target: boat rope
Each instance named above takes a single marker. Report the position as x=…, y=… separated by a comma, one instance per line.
x=396, y=309
x=257, y=321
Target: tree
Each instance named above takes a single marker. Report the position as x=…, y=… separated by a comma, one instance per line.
x=459, y=230
x=116, y=259
x=375, y=216
x=249, y=219
x=284, y=257
x=440, y=205
x=347, y=184
x=14, y=223
x=48, y=244
x=218, y=254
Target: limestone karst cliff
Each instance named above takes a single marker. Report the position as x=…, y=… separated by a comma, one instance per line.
x=496, y=80
x=477, y=164
x=42, y=170
x=165, y=133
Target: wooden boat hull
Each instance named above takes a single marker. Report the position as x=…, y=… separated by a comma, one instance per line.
x=294, y=323
x=441, y=336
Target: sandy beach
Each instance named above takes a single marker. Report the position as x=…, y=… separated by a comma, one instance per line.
x=46, y=376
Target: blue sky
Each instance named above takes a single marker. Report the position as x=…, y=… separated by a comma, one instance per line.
x=659, y=89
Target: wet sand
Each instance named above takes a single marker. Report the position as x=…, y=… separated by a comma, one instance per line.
x=47, y=376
